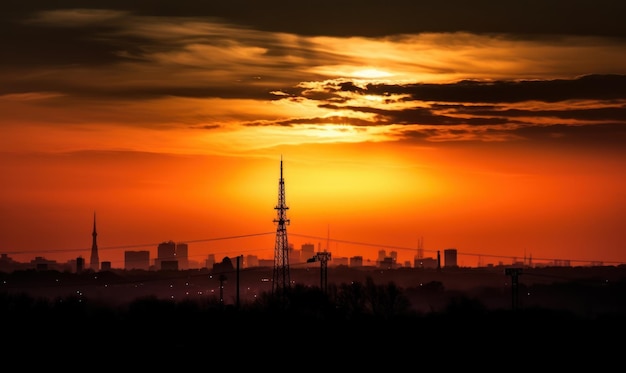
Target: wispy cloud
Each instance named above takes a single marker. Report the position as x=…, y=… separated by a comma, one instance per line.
x=215, y=66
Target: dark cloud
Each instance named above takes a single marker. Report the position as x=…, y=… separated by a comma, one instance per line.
x=69, y=55
x=328, y=95
x=25, y=42
x=600, y=87
x=323, y=121
x=375, y=18
x=462, y=110
x=421, y=116
x=210, y=127
x=604, y=137
x=589, y=114
x=26, y=45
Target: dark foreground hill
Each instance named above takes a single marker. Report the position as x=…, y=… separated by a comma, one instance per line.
x=375, y=319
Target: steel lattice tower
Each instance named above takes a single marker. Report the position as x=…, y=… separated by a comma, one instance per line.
x=281, y=280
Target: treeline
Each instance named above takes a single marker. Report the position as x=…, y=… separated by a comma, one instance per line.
x=364, y=316
x=355, y=302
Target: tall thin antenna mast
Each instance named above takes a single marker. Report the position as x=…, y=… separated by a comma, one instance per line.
x=94, y=262
x=328, y=238
x=281, y=280
x=420, y=248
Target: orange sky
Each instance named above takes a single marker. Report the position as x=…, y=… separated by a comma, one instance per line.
x=502, y=143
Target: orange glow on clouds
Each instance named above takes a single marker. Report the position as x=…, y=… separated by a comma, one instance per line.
x=499, y=145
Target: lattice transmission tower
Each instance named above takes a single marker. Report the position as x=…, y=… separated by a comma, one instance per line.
x=281, y=280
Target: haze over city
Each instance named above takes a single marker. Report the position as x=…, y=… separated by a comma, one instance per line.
x=497, y=130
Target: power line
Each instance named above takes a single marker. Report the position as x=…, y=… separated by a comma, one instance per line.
x=350, y=242
x=153, y=244
x=510, y=257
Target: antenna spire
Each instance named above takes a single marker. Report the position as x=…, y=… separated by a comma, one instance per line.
x=281, y=279
x=95, y=261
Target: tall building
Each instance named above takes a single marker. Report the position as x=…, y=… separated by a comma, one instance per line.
x=394, y=255
x=182, y=255
x=356, y=261
x=210, y=261
x=382, y=254
x=166, y=252
x=251, y=261
x=80, y=264
x=95, y=260
x=450, y=258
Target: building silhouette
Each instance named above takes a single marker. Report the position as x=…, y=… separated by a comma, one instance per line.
x=166, y=252
x=307, y=251
x=210, y=261
x=356, y=261
x=429, y=263
x=182, y=255
x=80, y=264
x=139, y=259
x=450, y=258
x=251, y=261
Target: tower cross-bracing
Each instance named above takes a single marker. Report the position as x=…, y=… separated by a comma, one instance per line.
x=281, y=280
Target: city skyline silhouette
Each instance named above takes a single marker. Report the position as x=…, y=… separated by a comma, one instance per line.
x=476, y=259
x=282, y=248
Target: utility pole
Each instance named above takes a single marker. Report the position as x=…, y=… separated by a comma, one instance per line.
x=239, y=258
x=323, y=257
x=438, y=261
x=514, y=273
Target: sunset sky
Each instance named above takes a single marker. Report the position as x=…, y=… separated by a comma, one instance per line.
x=491, y=127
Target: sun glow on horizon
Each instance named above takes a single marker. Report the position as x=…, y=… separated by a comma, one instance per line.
x=371, y=73
x=486, y=141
